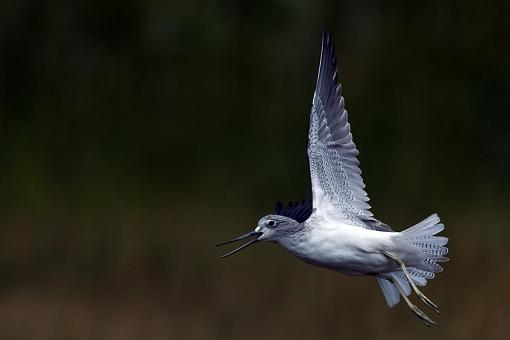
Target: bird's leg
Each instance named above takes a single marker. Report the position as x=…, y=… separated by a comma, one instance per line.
x=423, y=317
x=422, y=296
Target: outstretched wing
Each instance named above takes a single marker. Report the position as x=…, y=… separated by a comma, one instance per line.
x=337, y=186
x=299, y=211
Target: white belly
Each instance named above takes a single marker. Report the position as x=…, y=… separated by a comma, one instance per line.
x=345, y=248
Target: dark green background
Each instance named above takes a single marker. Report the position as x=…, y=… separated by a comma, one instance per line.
x=136, y=135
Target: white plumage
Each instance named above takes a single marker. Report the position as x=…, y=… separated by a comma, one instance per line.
x=338, y=231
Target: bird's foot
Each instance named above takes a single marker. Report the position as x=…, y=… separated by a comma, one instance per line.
x=422, y=316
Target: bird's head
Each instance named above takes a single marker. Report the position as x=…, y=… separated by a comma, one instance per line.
x=274, y=228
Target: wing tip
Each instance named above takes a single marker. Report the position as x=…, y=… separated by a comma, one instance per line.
x=328, y=68
x=299, y=210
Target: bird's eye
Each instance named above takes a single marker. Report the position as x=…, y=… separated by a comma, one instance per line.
x=271, y=223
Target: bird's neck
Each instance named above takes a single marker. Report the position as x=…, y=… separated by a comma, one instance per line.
x=294, y=242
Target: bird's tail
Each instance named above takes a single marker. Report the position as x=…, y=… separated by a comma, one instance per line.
x=422, y=236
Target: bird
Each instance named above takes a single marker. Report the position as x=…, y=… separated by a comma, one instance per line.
x=335, y=228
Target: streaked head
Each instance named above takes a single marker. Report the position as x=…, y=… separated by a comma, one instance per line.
x=276, y=227
x=270, y=228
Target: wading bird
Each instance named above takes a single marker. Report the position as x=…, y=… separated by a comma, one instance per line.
x=335, y=229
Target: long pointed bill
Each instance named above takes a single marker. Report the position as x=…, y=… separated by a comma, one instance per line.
x=245, y=236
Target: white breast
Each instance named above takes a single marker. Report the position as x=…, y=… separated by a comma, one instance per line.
x=345, y=248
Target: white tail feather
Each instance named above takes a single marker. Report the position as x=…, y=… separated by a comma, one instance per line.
x=420, y=235
x=390, y=292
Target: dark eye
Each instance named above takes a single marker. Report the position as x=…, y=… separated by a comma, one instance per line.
x=271, y=223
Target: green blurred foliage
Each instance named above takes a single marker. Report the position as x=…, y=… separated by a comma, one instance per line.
x=135, y=135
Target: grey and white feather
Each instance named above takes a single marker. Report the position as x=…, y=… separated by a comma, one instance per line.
x=337, y=185
x=336, y=229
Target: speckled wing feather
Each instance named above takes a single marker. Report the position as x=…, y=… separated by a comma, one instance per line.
x=337, y=186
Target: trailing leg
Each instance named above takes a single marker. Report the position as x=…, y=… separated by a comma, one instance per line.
x=422, y=296
x=423, y=317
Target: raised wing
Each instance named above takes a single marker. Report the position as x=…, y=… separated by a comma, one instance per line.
x=299, y=211
x=337, y=186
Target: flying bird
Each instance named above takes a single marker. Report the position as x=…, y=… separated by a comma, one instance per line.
x=335, y=229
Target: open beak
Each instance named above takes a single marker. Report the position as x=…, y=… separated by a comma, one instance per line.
x=255, y=234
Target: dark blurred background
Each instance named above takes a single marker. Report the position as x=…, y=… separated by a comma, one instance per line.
x=136, y=135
